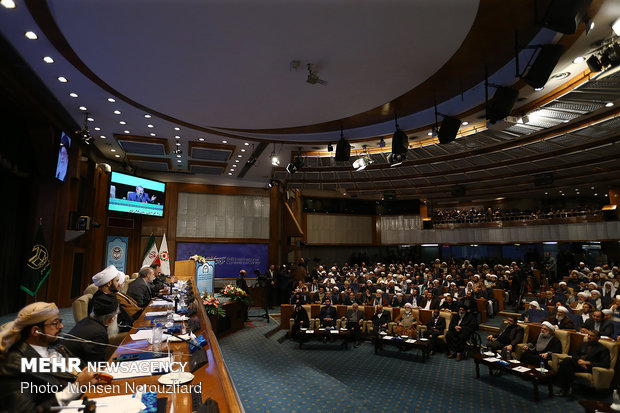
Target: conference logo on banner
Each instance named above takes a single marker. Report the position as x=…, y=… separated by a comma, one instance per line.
x=205, y=272
x=229, y=259
x=117, y=252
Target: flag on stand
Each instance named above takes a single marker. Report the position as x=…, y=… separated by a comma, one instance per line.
x=38, y=265
x=164, y=260
x=150, y=254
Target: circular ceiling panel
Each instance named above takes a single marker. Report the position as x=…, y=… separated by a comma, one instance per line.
x=228, y=64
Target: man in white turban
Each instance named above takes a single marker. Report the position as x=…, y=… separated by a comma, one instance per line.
x=109, y=281
x=32, y=335
x=541, y=347
x=561, y=319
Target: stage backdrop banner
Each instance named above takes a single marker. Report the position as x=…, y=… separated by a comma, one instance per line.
x=117, y=252
x=204, y=276
x=229, y=258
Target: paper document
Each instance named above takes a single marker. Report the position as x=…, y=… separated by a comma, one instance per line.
x=160, y=303
x=491, y=359
x=155, y=313
x=521, y=369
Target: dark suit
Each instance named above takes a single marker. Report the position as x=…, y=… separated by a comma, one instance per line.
x=606, y=327
x=596, y=353
x=508, y=334
x=434, y=328
x=139, y=198
x=92, y=330
x=434, y=303
x=139, y=290
x=328, y=312
x=123, y=316
x=379, y=321
x=358, y=316
x=456, y=339
x=12, y=398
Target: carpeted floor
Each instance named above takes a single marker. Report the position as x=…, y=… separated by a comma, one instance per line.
x=273, y=377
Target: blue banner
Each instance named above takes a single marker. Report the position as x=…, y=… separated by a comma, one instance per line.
x=116, y=252
x=229, y=258
x=204, y=276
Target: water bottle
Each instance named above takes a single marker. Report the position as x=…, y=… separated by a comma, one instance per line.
x=169, y=317
x=183, y=329
x=158, y=335
x=542, y=366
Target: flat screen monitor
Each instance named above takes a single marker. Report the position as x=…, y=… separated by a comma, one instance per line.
x=136, y=195
x=63, y=157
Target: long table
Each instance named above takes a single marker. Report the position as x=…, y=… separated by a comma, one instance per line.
x=216, y=381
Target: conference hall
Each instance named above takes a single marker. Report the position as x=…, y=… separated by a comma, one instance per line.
x=309, y=206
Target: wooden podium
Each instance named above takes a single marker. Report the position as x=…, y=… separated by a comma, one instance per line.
x=185, y=270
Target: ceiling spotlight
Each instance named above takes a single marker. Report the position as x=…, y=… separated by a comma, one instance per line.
x=147, y=116
x=538, y=89
x=178, y=151
x=201, y=139
x=97, y=128
x=90, y=119
x=246, y=143
x=83, y=108
x=73, y=95
x=125, y=131
x=117, y=112
x=122, y=122
x=395, y=159
x=84, y=133
x=295, y=166
x=400, y=140
x=579, y=59
x=609, y=104
x=224, y=141
x=152, y=134
x=251, y=161
x=178, y=143
x=48, y=59
x=178, y=160
x=465, y=123
x=359, y=164
x=177, y=128
x=31, y=35
x=615, y=26
x=151, y=126
x=62, y=79
x=111, y=100
x=9, y=4
x=117, y=156
x=275, y=160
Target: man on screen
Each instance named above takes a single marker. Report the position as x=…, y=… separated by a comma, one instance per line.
x=141, y=196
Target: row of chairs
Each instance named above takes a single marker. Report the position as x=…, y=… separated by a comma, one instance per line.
x=367, y=326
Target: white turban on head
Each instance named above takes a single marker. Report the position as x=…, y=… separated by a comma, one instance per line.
x=549, y=326
x=32, y=314
x=105, y=276
x=563, y=309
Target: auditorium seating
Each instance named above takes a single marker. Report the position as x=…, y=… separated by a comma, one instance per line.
x=80, y=306
x=600, y=378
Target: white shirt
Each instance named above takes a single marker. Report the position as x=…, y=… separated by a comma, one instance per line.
x=66, y=395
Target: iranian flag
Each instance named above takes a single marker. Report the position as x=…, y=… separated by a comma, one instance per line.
x=150, y=254
x=163, y=257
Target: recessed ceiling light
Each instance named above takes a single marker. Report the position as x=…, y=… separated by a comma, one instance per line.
x=177, y=137
x=242, y=150
x=152, y=134
x=178, y=160
x=563, y=194
x=149, y=126
x=538, y=89
x=246, y=144
x=48, y=59
x=177, y=128
x=201, y=139
x=117, y=156
x=579, y=59
x=122, y=122
x=546, y=193
x=62, y=79
x=111, y=100
x=178, y=144
x=430, y=134
x=73, y=95
x=465, y=123
x=147, y=116
x=576, y=189
x=229, y=173
x=112, y=150
x=9, y=4
x=609, y=104
x=595, y=194
x=117, y=112
x=236, y=160
x=224, y=141
x=232, y=170
x=126, y=131
x=178, y=156
x=97, y=128
x=606, y=195
x=103, y=137
x=238, y=156
x=31, y=35
x=90, y=119
x=591, y=187
x=83, y=108
x=234, y=165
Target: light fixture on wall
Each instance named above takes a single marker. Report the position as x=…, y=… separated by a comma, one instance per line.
x=275, y=160
x=84, y=133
